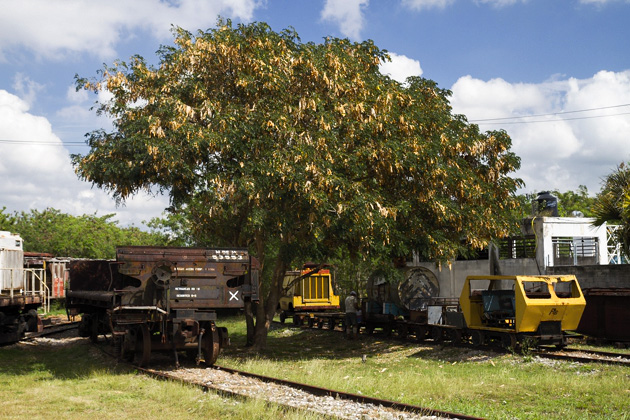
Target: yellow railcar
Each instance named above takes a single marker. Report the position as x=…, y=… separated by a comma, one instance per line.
x=312, y=296
x=515, y=308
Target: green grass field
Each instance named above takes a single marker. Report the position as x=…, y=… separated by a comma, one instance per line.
x=79, y=381
x=472, y=382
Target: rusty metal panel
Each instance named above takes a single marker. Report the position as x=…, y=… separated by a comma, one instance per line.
x=607, y=314
x=195, y=278
x=93, y=275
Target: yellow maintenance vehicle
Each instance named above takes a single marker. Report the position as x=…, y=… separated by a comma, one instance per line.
x=516, y=309
x=309, y=295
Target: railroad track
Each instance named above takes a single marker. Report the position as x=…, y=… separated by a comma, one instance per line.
x=569, y=354
x=331, y=403
x=236, y=383
x=51, y=330
x=585, y=356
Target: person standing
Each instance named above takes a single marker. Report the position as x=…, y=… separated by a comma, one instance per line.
x=352, y=306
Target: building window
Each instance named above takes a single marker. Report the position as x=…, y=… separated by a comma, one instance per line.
x=575, y=250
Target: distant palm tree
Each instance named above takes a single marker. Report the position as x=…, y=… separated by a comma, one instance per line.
x=613, y=205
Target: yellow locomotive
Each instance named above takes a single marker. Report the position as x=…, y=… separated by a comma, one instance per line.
x=310, y=294
x=513, y=309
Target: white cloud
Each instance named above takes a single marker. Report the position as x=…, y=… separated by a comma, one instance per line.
x=26, y=88
x=76, y=96
x=427, y=4
x=603, y=2
x=347, y=14
x=500, y=3
x=54, y=28
x=401, y=67
x=36, y=171
x=559, y=148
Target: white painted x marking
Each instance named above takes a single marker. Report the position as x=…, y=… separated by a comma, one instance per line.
x=233, y=295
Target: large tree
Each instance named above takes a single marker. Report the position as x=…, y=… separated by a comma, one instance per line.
x=299, y=149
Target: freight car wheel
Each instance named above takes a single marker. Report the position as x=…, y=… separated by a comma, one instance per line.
x=128, y=345
x=454, y=335
x=211, y=345
x=94, y=328
x=143, y=345
x=421, y=333
x=437, y=334
x=478, y=338
x=32, y=320
x=402, y=330
x=320, y=323
x=387, y=330
x=84, y=326
x=508, y=341
x=331, y=324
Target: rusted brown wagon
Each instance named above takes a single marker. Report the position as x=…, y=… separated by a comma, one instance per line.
x=162, y=298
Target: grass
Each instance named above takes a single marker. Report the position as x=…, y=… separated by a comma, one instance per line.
x=41, y=382
x=79, y=382
x=57, y=309
x=472, y=382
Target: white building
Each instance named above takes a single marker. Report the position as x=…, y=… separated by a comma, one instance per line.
x=546, y=242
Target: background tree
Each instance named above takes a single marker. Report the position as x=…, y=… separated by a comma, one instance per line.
x=7, y=221
x=571, y=201
x=87, y=236
x=173, y=228
x=299, y=150
x=613, y=205
x=568, y=202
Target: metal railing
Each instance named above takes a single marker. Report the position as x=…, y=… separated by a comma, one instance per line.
x=613, y=247
x=23, y=282
x=575, y=250
x=517, y=247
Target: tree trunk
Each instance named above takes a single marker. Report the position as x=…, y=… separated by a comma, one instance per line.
x=262, y=327
x=266, y=311
x=249, y=308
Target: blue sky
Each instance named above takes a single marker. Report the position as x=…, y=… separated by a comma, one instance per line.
x=554, y=74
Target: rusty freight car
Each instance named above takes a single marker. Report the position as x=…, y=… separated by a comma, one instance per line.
x=162, y=298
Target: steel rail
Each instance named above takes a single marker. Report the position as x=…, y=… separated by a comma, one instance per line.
x=311, y=389
x=604, y=357
x=598, y=353
x=48, y=330
x=203, y=386
x=316, y=390
x=52, y=329
x=596, y=356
